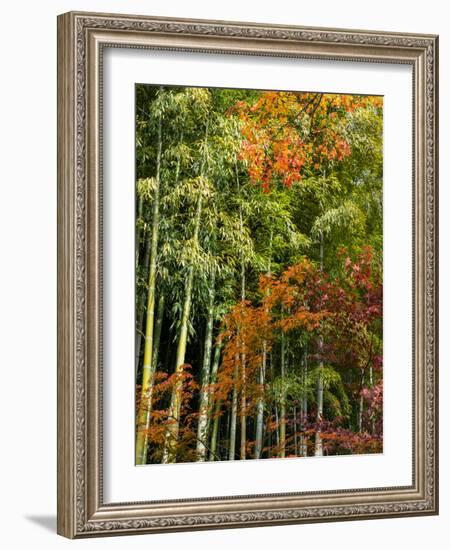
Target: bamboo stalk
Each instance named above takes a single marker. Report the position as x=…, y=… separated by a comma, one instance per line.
x=202, y=429
x=171, y=440
x=282, y=453
x=318, y=446
x=143, y=417
x=234, y=406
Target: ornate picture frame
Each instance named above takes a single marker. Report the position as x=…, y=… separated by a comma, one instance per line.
x=82, y=38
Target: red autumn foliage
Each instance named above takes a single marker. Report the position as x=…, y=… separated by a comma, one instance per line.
x=302, y=300
x=287, y=133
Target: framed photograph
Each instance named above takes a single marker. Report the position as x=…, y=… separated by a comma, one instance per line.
x=247, y=276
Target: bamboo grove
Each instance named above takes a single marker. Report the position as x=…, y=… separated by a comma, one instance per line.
x=258, y=274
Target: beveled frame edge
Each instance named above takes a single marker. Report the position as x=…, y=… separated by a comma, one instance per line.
x=80, y=509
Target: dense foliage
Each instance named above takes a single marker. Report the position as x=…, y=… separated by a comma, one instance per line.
x=258, y=274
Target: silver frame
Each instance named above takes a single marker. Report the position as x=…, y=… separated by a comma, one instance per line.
x=81, y=39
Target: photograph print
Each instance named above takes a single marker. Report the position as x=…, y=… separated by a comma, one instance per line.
x=259, y=274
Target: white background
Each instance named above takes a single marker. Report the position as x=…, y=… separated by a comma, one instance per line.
x=123, y=482
x=28, y=271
